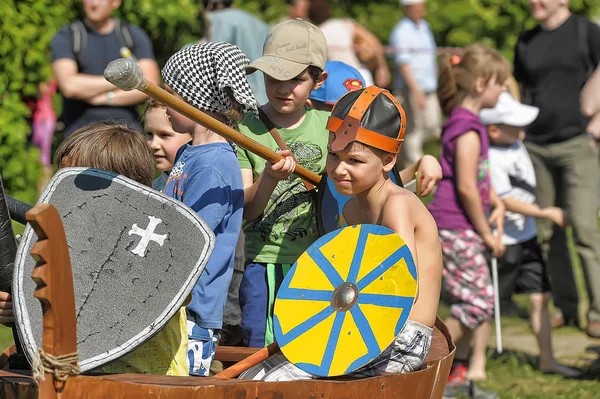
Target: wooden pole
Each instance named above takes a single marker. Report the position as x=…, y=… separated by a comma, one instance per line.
x=248, y=362
x=126, y=75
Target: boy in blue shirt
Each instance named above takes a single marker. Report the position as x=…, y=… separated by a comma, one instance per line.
x=207, y=178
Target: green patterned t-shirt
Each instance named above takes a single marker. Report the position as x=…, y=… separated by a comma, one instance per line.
x=288, y=224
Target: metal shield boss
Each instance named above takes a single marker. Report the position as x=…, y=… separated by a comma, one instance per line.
x=136, y=255
x=345, y=300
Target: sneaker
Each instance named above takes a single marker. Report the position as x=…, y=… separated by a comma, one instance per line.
x=593, y=329
x=558, y=320
x=449, y=392
x=473, y=391
x=458, y=374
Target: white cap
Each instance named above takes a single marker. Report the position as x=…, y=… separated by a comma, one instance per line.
x=411, y=2
x=509, y=111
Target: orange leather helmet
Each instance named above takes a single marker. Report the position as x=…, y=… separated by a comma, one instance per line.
x=371, y=116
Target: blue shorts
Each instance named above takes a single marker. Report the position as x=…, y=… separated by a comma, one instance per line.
x=202, y=343
x=257, y=297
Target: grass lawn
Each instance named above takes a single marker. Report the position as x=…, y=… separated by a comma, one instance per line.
x=514, y=374
x=6, y=337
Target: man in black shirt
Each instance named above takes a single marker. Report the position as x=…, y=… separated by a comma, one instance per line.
x=88, y=97
x=552, y=63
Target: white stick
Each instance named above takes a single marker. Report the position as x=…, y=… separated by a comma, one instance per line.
x=412, y=186
x=497, y=305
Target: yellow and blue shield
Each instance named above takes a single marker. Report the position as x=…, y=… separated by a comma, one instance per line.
x=345, y=300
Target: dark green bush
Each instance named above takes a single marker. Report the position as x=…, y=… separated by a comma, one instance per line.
x=25, y=34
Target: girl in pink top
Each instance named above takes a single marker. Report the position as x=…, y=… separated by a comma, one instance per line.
x=463, y=200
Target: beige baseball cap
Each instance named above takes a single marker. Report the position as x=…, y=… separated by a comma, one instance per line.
x=291, y=46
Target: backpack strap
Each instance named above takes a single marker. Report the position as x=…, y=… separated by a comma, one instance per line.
x=279, y=140
x=78, y=38
x=124, y=34
x=583, y=42
x=521, y=53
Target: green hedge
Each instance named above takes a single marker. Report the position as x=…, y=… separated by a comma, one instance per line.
x=29, y=25
x=25, y=34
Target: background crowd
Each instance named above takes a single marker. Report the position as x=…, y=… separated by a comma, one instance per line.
x=56, y=85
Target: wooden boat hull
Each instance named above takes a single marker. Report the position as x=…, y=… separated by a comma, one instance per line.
x=427, y=383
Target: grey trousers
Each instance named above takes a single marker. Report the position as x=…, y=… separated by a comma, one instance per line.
x=567, y=176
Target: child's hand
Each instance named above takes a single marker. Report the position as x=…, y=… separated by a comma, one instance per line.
x=556, y=215
x=494, y=243
x=382, y=76
x=6, y=308
x=430, y=172
x=282, y=169
x=496, y=220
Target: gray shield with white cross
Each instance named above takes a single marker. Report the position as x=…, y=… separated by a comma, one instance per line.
x=136, y=255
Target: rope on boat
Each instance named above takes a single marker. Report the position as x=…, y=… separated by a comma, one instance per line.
x=61, y=367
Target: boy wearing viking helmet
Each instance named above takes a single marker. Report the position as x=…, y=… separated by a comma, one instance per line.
x=366, y=130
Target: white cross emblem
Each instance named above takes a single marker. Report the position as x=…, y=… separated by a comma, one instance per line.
x=147, y=236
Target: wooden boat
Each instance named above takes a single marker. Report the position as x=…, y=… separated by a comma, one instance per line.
x=54, y=278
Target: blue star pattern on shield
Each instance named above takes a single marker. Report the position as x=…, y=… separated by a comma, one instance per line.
x=345, y=300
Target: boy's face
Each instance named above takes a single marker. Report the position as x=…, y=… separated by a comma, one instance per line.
x=356, y=168
x=289, y=96
x=505, y=134
x=179, y=122
x=162, y=139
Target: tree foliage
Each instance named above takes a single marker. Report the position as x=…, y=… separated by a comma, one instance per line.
x=25, y=34
x=29, y=25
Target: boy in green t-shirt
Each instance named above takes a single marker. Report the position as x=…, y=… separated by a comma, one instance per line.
x=280, y=212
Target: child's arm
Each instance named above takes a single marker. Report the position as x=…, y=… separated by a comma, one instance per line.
x=553, y=213
x=593, y=128
x=431, y=173
x=6, y=308
x=207, y=193
x=407, y=216
x=468, y=147
x=497, y=215
x=257, y=194
x=590, y=101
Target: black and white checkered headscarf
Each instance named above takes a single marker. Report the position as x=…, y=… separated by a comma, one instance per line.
x=200, y=73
